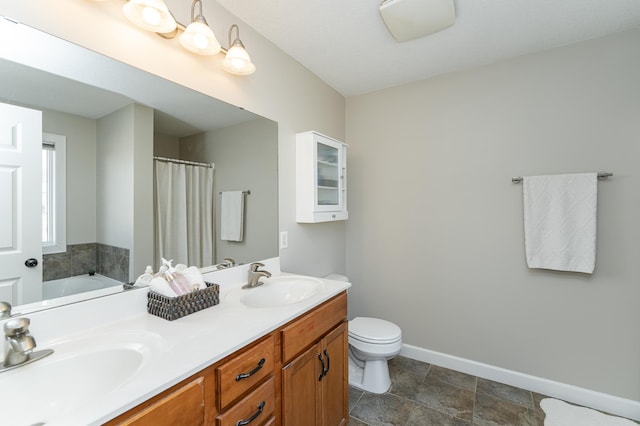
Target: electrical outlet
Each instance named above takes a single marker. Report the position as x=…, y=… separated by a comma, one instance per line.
x=284, y=239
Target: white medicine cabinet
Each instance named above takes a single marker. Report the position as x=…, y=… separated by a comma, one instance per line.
x=321, y=178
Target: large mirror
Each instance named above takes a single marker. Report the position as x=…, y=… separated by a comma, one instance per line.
x=110, y=128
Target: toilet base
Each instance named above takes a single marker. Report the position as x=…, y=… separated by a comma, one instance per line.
x=374, y=377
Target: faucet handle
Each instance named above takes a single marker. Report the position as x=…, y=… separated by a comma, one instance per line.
x=5, y=310
x=254, y=266
x=229, y=261
x=16, y=326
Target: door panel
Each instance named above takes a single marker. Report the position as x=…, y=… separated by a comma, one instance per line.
x=21, y=208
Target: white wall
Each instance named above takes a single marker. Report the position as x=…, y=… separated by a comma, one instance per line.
x=435, y=235
x=281, y=90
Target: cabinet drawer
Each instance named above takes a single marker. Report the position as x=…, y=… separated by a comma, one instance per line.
x=244, y=371
x=259, y=405
x=311, y=327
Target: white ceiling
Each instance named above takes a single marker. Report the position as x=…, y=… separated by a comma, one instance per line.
x=346, y=44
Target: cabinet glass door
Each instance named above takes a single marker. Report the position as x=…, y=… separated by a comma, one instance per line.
x=328, y=164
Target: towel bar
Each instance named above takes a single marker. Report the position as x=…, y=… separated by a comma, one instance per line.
x=601, y=175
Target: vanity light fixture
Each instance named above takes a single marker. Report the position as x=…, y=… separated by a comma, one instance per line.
x=152, y=15
x=197, y=37
x=237, y=60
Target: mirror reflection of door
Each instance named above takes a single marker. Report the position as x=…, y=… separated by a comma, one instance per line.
x=21, y=184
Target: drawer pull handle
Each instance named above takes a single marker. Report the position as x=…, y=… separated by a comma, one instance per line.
x=253, y=417
x=252, y=372
x=322, y=366
x=328, y=362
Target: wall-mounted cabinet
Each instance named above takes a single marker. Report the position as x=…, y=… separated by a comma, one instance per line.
x=321, y=178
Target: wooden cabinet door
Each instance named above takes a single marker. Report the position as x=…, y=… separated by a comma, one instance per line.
x=301, y=398
x=334, y=384
x=184, y=406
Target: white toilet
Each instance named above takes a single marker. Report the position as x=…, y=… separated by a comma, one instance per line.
x=372, y=342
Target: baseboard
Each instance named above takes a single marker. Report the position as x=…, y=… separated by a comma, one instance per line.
x=574, y=394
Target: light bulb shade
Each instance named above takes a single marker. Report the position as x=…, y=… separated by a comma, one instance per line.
x=152, y=15
x=199, y=38
x=238, y=61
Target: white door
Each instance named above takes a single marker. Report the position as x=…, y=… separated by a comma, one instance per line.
x=21, y=204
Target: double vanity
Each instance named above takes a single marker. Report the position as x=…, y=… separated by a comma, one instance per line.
x=274, y=354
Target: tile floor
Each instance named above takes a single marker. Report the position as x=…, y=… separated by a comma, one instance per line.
x=423, y=395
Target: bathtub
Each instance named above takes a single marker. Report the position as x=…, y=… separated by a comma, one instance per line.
x=78, y=284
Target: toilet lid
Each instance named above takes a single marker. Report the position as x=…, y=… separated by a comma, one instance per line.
x=374, y=330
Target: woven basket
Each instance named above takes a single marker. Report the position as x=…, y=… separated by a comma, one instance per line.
x=172, y=308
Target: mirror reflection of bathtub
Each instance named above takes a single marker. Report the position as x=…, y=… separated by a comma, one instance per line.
x=70, y=290
x=78, y=284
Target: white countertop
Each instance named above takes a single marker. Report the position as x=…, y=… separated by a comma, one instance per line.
x=174, y=350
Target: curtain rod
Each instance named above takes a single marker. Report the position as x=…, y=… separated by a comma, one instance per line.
x=247, y=192
x=191, y=163
x=601, y=175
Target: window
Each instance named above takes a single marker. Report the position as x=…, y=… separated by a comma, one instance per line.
x=54, y=197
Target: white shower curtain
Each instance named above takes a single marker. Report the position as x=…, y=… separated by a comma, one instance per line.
x=184, y=214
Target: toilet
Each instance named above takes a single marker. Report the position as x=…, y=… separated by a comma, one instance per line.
x=372, y=343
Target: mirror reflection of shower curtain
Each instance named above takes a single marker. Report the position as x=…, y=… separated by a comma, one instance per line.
x=185, y=230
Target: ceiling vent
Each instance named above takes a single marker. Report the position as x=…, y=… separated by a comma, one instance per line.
x=409, y=19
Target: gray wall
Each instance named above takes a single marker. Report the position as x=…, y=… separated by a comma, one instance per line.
x=81, y=172
x=246, y=158
x=435, y=234
x=124, y=216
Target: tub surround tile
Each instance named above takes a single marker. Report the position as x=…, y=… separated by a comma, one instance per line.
x=55, y=266
x=80, y=259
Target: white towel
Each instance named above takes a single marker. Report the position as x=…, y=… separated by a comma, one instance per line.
x=560, y=221
x=232, y=216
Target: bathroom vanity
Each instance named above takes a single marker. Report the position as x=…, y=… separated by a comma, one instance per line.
x=295, y=375
x=257, y=358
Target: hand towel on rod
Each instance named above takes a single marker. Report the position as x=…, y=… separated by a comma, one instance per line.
x=232, y=216
x=560, y=221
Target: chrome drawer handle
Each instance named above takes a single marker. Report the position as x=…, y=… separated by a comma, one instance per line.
x=253, y=417
x=252, y=372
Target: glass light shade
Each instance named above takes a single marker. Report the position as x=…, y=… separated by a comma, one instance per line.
x=152, y=15
x=237, y=60
x=199, y=38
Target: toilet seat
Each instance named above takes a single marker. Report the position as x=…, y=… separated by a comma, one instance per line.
x=374, y=331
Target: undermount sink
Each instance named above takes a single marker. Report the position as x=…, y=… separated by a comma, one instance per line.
x=72, y=377
x=281, y=290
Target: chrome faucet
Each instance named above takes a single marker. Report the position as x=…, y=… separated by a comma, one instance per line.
x=255, y=274
x=226, y=263
x=19, y=344
x=5, y=310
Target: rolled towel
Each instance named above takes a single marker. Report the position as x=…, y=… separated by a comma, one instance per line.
x=161, y=286
x=180, y=268
x=194, y=278
x=143, y=280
